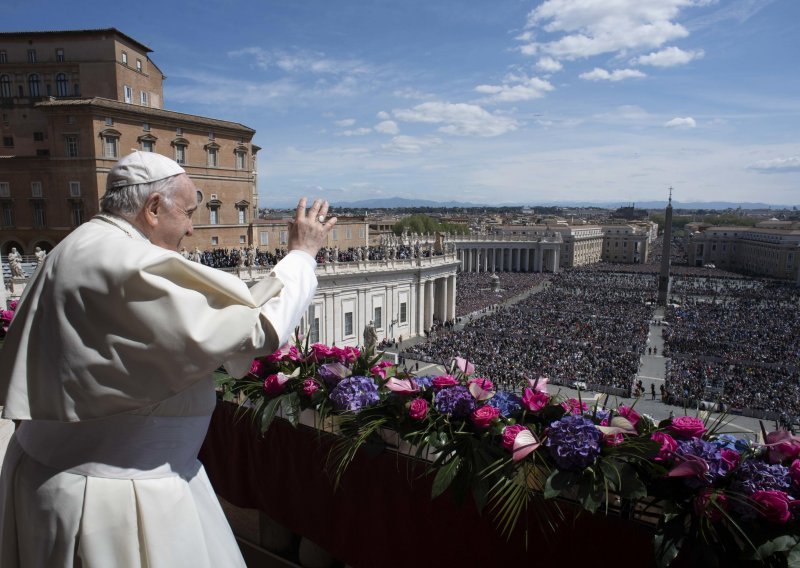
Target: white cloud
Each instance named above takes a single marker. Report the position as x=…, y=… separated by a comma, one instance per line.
x=777, y=165
x=387, y=127
x=410, y=144
x=458, y=119
x=301, y=61
x=357, y=132
x=383, y=115
x=595, y=27
x=515, y=89
x=681, y=122
x=345, y=122
x=668, y=57
x=548, y=65
x=598, y=74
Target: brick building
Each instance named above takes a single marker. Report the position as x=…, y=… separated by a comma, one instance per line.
x=72, y=103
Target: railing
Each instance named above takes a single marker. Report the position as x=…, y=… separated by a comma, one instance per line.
x=505, y=238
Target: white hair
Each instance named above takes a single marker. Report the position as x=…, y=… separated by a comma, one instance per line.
x=128, y=200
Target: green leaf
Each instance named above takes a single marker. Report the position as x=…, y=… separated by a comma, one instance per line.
x=780, y=544
x=268, y=413
x=632, y=487
x=793, y=561
x=558, y=482
x=228, y=396
x=445, y=476
x=290, y=405
x=666, y=549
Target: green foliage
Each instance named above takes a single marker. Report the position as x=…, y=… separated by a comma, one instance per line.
x=421, y=223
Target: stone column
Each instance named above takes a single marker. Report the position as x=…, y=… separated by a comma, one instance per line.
x=441, y=299
x=539, y=255
x=451, y=297
x=420, y=323
x=485, y=260
x=429, y=299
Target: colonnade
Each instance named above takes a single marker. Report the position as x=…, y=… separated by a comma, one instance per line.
x=436, y=300
x=498, y=257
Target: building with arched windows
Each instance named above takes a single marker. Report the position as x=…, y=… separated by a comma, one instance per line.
x=72, y=103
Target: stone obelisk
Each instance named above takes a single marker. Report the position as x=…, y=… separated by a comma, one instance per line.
x=664, y=281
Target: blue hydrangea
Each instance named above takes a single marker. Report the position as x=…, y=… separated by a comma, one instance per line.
x=755, y=475
x=725, y=441
x=710, y=453
x=455, y=401
x=354, y=393
x=506, y=402
x=573, y=441
x=424, y=382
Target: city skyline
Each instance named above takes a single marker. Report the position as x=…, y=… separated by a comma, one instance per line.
x=514, y=102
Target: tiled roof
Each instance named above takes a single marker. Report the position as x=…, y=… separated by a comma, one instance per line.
x=155, y=112
x=75, y=32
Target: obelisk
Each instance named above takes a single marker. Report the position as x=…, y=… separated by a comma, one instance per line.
x=664, y=281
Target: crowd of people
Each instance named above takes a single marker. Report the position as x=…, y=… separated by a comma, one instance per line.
x=583, y=327
x=736, y=342
x=474, y=291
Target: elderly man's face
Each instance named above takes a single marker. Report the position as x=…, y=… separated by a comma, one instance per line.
x=175, y=219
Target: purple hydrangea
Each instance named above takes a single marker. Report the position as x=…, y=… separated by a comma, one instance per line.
x=354, y=393
x=506, y=402
x=710, y=453
x=424, y=382
x=332, y=373
x=573, y=441
x=455, y=401
x=755, y=475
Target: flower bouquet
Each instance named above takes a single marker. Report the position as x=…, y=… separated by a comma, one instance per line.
x=722, y=498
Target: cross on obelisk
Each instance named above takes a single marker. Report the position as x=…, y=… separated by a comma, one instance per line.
x=664, y=281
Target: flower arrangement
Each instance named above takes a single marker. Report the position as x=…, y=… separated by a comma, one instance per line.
x=732, y=499
x=6, y=316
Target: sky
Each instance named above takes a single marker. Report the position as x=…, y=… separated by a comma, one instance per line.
x=490, y=102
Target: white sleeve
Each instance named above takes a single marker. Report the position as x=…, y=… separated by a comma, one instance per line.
x=297, y=272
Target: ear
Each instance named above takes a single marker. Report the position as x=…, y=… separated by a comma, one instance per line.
x=152, y=207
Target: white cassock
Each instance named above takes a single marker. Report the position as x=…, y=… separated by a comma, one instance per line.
x=108, y=365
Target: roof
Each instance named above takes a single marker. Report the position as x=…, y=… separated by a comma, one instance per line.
x=76, y=32
x=100, y=102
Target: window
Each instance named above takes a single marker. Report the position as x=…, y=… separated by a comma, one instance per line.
x=124, y=58
x=39, y=218
x=242, y=240
x=72, y=146
x=109, y=121
x=5, y=86
x=179, y=131
x=139, y=65
x=263, y=238
x=213, y=215
x=210, y=135
x=240, y=160
x=143, y=98
x=8, y=214
x=403, y=312
x=110, y=149
x=362, y=233
x=33, y=85
x=60, y=54
x=74, y=189
x=212, y=157
x=62, y=86
x=77, y=213
x=5, y=189
x=31, y=56
x=348, y=324
x=3, y=56
x=128, y=93
x=38, y=136
x=284, y=237
x=313, y=332
x=146, y=126
x=348, y=233
x=335, y=234
x=377, y=319
x=8, y=141
x=214, y=241
x=36, y=189
x=180, y=153
x=242, y=215
x=148, y=145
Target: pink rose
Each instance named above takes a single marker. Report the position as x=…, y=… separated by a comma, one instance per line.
x=12, y=305
x=711, y=504
x=668, y=445
x=483, y=416
x=574, y=406
x=402, y=386
x=730, y=457
x=285, y=353
x=773, y=505
x=783, y=445
x=310, y=386
x=687, y=427
x=273, y=384
x=464, y=366
x=535, y=400
x=345, y=354
x=418, y=409
x=444, y=381
x=794, y=474
x=613, y=439
x=257, y=368
x=629, y=413
x=510, y=434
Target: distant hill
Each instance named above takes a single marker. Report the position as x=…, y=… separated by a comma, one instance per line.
x=397, y=202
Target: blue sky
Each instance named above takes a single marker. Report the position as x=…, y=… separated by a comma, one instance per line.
x=507, y=101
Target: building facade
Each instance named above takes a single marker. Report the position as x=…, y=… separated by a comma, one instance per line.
x=271, y=234
x=73, y=103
